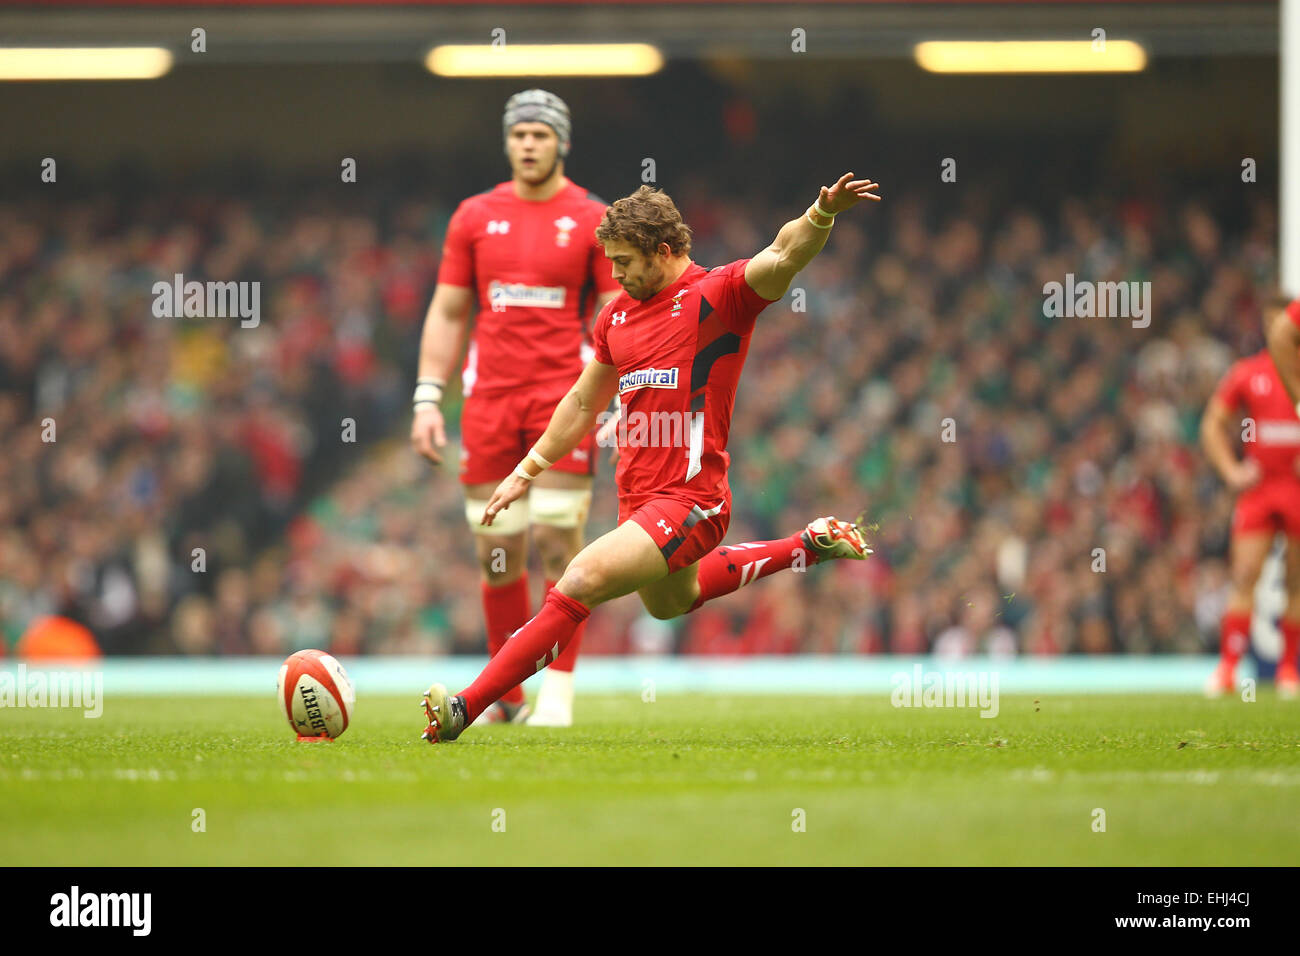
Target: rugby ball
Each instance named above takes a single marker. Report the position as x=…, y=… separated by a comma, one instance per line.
x=316, y=695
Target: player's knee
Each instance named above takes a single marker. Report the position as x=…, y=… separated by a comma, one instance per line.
x=583, y=582
x=503, y=558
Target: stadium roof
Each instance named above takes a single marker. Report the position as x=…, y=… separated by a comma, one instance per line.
x=252, y=31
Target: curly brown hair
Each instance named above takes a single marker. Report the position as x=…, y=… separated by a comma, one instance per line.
x=645, y=219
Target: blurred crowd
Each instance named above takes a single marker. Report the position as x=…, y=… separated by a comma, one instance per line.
x=1032, y=484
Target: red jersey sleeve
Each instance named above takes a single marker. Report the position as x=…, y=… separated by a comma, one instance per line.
x=1229, y=390
x=598, y=335
x=738, y=305
x=1293, y=310
x=457, y=266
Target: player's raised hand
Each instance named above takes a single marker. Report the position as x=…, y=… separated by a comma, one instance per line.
x=429, y=433
x=510, y=489
x=847, y=192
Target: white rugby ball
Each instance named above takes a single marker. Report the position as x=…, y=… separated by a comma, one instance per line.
x=316, y=695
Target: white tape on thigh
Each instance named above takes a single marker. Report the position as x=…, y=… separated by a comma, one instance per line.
x=560, y=507
x=513, y=520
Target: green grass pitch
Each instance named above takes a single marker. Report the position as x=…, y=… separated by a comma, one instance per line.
x=683, y=780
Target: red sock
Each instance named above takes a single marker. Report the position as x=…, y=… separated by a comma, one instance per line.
x=506, y=609
x=569, y=656
x=1290, y=642
x=532, y=647
x=1234, y=637
x=732, y=566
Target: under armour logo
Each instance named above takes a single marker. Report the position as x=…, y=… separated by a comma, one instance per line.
x=618, y=318
x=664, y=524
x=495, y=226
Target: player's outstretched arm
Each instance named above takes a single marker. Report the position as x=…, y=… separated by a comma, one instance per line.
x=1216, y=424
x=441, y=344
x=1284, y=349
x=573, y=418
x=771, y=271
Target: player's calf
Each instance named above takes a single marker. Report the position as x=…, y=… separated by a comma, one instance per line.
x=734, y=566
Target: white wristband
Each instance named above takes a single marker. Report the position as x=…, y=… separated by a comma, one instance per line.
x=815, y=223
x=536, y=456
x=519, y=472
x=817, y=208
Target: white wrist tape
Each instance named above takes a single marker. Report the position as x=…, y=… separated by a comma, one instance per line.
x=427, y=392
x=520, y=473
x=817, y=208
x=536, y=456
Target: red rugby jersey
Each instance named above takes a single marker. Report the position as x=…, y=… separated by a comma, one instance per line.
x=1253, y=386
x=679, y=355
x=537, y=268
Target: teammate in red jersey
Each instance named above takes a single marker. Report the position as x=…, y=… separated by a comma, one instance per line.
x=526, y=252
x=672, y=346
x=1252, y=401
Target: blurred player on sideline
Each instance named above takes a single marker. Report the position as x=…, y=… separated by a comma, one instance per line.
x=672, y=346
x=1251, y=401
x=525, y=251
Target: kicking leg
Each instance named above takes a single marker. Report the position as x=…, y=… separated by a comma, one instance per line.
x=614, y=564
x=730, y=567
